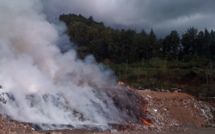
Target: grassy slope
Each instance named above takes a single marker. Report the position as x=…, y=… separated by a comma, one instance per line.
x=193, y=77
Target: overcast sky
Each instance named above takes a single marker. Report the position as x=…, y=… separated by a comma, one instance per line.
x=161, y=15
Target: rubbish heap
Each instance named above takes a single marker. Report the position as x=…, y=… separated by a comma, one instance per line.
x=176, y=111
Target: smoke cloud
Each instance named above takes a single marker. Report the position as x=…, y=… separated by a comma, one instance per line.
x=42, y=85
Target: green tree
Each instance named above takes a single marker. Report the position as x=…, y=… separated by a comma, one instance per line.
x=200, y=42
x=151, y=44
x=189, y=41
x=171, y=45
x=206, y=44
x=139, y=47
x=76, y=31
x=212, y=45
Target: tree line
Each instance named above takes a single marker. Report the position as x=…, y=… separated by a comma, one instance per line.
x=142, y=59
x=129, y=46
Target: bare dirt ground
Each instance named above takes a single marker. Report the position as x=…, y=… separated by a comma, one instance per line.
x=169, y=112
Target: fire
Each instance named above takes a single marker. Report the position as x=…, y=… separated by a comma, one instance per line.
x=145, y=122
x=144, y=108
x=120, y=83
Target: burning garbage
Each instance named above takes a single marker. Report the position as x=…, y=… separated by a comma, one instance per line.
x=115, y=105
x=52, y=90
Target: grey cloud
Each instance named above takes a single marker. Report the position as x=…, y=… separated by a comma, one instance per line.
x=161, y=15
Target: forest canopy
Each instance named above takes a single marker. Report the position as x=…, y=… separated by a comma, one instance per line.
x=121, y=46
x=142, y=59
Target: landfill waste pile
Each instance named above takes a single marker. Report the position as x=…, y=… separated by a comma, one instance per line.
x=176, y=111
x=167, y=112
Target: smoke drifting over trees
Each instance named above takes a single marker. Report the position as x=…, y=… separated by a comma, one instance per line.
x=40, y=84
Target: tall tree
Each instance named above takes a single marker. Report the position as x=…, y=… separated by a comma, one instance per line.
x=206, y=44
x=212, y=45
x=189, y=41
x=200, y=42
x=142, y=49
x=171, y=45
x=151, y=42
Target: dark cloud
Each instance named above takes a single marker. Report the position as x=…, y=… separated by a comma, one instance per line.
x=161, y=15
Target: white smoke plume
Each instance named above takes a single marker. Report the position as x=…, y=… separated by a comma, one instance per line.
x=40, y=84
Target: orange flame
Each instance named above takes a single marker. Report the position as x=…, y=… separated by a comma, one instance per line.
x=144, y=108
x=145, y=122
x=120, y=83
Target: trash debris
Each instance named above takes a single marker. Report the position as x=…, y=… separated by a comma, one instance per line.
x=148, y=96
x=175, y=112
x=166, y=112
